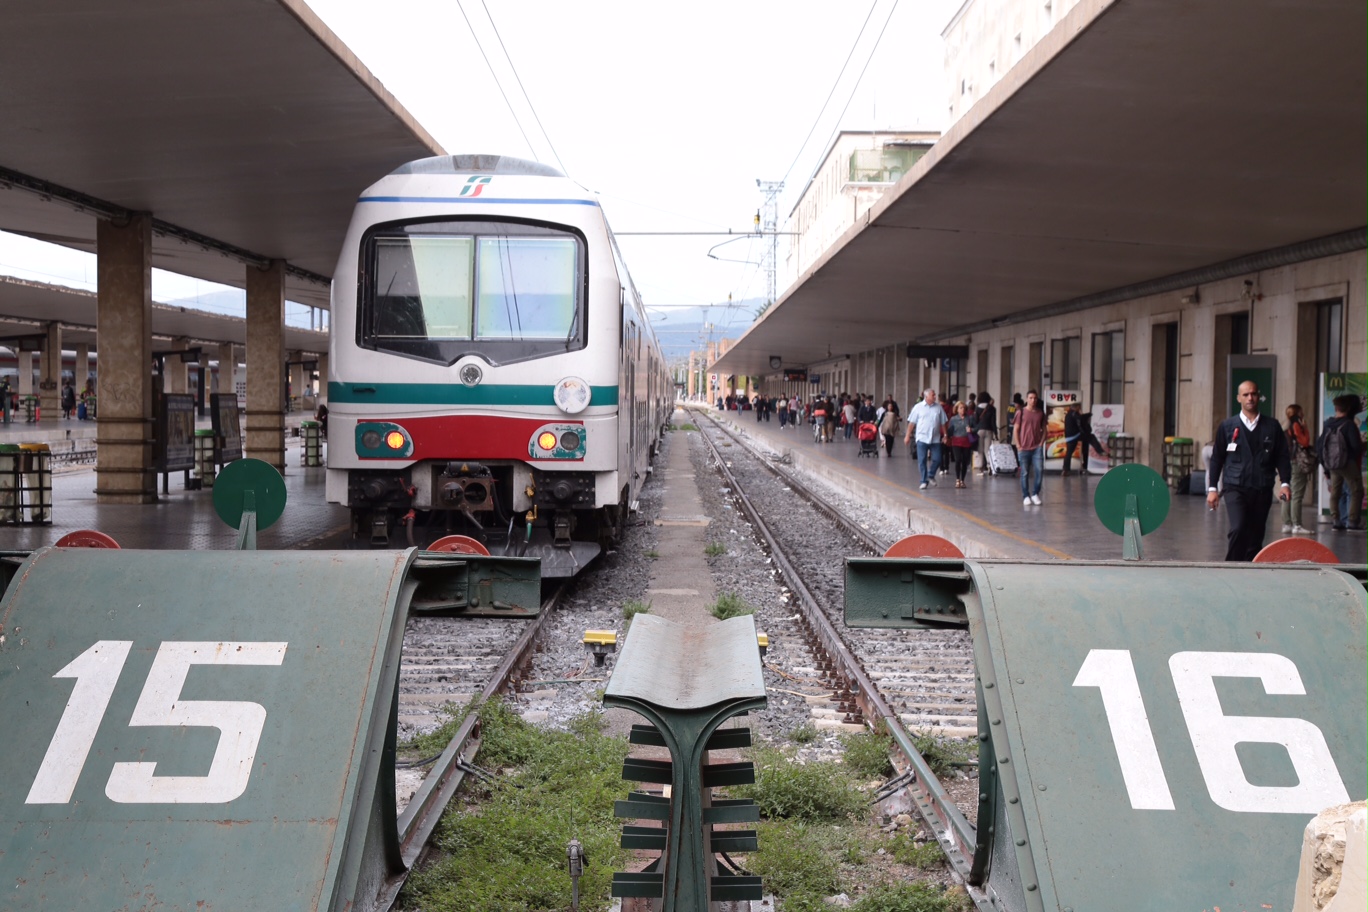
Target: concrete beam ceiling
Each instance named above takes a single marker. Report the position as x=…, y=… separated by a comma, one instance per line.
x=1140, y=139
x=75, y=310
x=245, y=121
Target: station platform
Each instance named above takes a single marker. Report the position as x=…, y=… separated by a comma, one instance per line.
x=185, y=519
x=987, y=519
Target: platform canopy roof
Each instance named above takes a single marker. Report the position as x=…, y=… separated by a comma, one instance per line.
x=1140, y=139
x=245, y=127
x=74, y=309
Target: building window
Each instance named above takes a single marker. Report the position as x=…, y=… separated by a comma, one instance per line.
x=1066, y=363
x=1016, y=47
x=1329, y=336
x=1108, y=368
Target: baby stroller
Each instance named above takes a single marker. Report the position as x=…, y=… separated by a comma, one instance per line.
x=868, y=432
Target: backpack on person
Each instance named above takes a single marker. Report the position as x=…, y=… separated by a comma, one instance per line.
x=1334, y=445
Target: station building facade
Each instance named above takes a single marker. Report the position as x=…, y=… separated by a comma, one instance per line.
x=1166, y=356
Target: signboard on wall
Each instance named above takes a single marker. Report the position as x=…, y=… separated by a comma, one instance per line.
x=1262, y=369
x=797, y=374
x=1062, y=398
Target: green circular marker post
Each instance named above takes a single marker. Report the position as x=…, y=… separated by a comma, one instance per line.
x=1131, y=501
x=251, y=488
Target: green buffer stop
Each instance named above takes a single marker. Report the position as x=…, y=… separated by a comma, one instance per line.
x=207, y=729
x=688, y=681
x=1150, y=735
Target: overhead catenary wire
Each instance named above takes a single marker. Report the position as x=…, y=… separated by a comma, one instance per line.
x=530, y=148
x=526, y=97
x=832, y=93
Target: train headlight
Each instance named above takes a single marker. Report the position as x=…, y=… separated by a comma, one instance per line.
x=560, y=440
x=572, y=395
x=382, y=440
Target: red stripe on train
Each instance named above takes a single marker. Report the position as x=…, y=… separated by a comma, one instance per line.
x=472, y=436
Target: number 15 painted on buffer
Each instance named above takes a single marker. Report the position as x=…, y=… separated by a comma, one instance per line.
x=97, y=672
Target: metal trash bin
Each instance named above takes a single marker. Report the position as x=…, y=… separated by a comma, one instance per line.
x=1120, y=450
x=35, y=484
x=312, y=455
x=11, y=457
x=1178, y=461
x=204, y=457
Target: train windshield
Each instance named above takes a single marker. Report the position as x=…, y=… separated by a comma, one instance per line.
x=442, y=291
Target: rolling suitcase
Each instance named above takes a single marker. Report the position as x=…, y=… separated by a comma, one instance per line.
x=1001, y=459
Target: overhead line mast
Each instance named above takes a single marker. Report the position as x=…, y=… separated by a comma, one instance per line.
x=769, y=225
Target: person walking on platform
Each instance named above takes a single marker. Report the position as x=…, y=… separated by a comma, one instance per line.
x=1340, y=449
x=1248, y=451
x=850, y=414
x=888, y=425
x=986, y=428
x=782, y=408
x=1028, y=436
x=961, y=451
x=1078, y=433
x=926, y=425
x=68, y=399
x=1303, y=458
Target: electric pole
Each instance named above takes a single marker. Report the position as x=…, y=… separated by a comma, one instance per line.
x=769, y=225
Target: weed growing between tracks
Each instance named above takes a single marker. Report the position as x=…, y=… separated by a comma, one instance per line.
x=503, y=847
x=819, y=837
x=730, y=605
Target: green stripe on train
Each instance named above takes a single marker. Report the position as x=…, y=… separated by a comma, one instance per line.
x=457, y=394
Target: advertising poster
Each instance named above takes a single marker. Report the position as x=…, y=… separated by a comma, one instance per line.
x=175, y=448
x=227, y=426
x=1057, y=402
x=1106, y=420
x=1332, y=385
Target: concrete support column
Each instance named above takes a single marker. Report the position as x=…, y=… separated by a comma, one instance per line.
x=175, y=372
x=228, y=361
x=123, y=460
x=296, y=381
x=265, y=428
x=24, y=386
x=50, y=376
x=82, y=371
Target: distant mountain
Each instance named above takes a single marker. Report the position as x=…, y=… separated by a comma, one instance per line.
x=685, y=329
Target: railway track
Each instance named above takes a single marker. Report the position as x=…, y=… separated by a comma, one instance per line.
x=449, y=660
x=919, y=681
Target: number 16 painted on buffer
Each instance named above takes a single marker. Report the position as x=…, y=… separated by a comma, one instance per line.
x=1214, y=734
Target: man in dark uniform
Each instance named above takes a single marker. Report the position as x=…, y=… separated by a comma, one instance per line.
x=1249, y=448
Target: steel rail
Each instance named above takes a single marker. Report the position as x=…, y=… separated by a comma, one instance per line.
x=956, y=836
x=875, y=545
x=424, y=811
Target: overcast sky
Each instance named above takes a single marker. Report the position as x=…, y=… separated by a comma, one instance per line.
x=670, y=113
